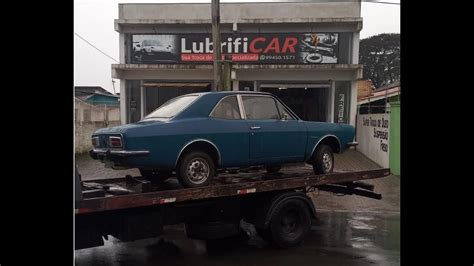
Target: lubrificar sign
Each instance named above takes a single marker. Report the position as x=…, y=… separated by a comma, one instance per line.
x=249, y=48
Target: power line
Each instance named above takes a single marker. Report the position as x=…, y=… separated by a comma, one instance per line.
x=82, y=38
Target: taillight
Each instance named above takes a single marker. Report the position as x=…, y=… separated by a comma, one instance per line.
x=95, y=141
x=115, y=142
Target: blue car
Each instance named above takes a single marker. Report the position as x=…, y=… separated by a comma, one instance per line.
x=196, y=134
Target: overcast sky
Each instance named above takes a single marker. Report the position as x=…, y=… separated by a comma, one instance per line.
x=94, y=20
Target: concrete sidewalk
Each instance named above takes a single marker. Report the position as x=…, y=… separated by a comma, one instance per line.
x=389, y=187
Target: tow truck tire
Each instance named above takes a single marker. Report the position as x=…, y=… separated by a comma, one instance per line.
x=195, y=169
x=289, y=224
x=323, y=160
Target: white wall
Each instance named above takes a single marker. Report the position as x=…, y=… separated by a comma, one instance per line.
x=373, y=137
x=84, y=129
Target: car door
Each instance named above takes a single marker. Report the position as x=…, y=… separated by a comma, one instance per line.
x=271, y=138
x=229, y=132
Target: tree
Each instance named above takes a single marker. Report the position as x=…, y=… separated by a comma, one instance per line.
x=380, y=56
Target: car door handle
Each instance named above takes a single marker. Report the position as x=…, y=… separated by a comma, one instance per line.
x=253, y=128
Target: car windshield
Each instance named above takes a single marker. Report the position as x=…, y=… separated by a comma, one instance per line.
x=172, y=107
x=151, y=43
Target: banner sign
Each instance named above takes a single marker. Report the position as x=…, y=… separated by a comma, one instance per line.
x=248, y=48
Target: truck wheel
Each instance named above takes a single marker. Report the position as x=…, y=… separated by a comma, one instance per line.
x=273, y=169
x=323, y=160
x=289, y=224
x=155, y=176
x=196, y=169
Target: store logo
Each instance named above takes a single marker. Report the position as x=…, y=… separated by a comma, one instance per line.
x=257, y=45
x=229, y=46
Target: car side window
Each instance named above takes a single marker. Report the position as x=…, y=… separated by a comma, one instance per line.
x=260, y=107
x=284, y=113
x=227, y=108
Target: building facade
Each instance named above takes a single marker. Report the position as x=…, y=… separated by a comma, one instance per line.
x=306, y=53
x=96, y=95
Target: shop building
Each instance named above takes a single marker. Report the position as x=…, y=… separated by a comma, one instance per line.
x=306, y=53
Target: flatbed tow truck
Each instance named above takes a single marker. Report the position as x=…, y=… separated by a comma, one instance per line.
x=132, y=208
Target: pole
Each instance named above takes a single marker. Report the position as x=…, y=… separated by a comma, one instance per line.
x=113, y=85
x=216, y=44
x=227, y=73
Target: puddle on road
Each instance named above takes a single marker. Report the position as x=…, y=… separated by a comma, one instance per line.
x=335, y=239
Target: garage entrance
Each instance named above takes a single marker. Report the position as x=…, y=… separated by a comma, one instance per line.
x=311, y=102
x=157, y=93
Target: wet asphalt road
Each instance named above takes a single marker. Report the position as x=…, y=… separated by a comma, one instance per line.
x=336, y=238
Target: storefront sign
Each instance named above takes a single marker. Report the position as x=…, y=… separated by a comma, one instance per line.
x=373, y=137
x=340, y=106
x=251, y=48
x=380, y=129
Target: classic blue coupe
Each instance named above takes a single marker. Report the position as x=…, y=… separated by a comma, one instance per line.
x=196, y=134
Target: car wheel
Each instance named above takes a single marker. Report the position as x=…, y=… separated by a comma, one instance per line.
x=290, y=224
x=323, y=160
x=155, y=176
x=273, y=169
x=196, y=169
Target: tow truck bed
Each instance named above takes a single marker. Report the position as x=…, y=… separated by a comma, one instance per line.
x=141, y=193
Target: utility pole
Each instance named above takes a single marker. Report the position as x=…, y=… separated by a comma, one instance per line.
x=113, y=85
x=216, y=44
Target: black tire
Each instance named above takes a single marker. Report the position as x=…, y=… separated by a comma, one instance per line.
x=289, y=224
x=201, y=160
x=155, y=176
x=323, y=160
x=271, y=169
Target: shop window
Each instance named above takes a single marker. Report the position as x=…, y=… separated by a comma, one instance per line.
x=155, y=96
x=246, y=85
x=310, y=104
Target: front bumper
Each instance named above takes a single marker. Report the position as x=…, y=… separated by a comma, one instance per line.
x=352, y=144
x=101, y=154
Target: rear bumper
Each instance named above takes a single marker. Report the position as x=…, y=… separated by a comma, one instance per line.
x=97, y=154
